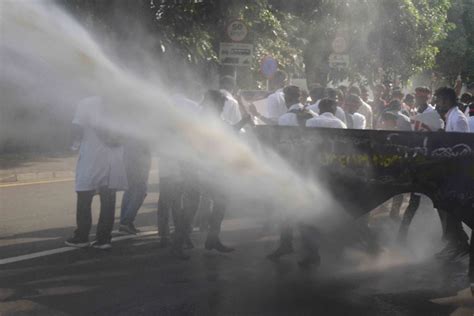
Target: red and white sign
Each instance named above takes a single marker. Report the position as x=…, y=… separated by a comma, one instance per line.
x=237, y=30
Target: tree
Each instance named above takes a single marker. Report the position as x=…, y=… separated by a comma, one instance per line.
x=457, y=50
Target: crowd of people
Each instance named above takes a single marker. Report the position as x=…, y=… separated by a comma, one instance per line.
x=107, y=164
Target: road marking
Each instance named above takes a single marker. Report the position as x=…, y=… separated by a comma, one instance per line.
x=9, y=185
x=66, y=249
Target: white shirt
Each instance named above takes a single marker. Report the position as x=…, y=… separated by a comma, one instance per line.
x=339, y=111
x=290, y=119
x=366, y=111
x=470, y=121
x=327, y=120
x=98, y=165
x=358, y=121
x=429, y=108
x=231, y=112
x=456, y=121
x=186, y=104
x=276, y=105
x=428, y=121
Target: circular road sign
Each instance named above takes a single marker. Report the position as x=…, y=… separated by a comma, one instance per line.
x=339, y=45
x=268, y=66
x=237, y=30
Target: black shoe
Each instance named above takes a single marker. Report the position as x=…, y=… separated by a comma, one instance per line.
x=452, y=251
x=282, y=250
x=215, y=243
x=102, y=245
x=178, y=253
x=164, y=242
x=128, y=229
x=310, y=261
x=77, y=242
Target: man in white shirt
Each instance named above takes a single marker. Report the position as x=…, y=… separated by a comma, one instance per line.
x=276, y=105
x=446, y=105
x=231, y=111
x=296, y=115
x=100, y=168
x=326, y=118
x=354, y=120
x=422, y=96
x=365, y=109
x=330, y=93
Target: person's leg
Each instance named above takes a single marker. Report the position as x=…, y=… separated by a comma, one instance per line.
x=215, y=222
x=191, y=198
x=413, y=205
x=286, y=241
x=456, y=237
x=125, y=206
x=204, y=212
x=83, y=214
x=134, y=200
x=309, y=243
x=106, y=217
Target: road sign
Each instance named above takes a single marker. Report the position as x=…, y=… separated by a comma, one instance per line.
x=339, y=61
x=236, y=54
x=237, y=30
x=339, y=45
x=268, y=66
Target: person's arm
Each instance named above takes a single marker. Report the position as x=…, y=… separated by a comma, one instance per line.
x=253, y=111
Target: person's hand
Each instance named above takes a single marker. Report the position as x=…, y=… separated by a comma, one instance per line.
x=253, y=110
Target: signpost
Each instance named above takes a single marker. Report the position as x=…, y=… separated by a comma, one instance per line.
x=268, y=66
x=236, y=54
x=339, y=59
x=236, y=51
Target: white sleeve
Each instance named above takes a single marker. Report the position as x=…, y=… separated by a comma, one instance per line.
x=231, y=112
x=461, y=125
x=82, y=115
x=273, y=107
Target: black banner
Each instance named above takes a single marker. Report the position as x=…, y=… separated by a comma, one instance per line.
x=364, y=168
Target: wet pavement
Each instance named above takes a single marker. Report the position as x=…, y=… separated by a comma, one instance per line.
x=138, y=278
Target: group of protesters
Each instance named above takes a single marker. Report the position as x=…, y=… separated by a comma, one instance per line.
x=107, y=165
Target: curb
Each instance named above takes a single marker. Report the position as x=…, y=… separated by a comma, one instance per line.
x=45, y=175
x=34, y=176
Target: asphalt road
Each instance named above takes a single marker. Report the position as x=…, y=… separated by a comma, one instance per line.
x=138, y=278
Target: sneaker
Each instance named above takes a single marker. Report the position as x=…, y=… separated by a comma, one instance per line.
x=214, y=243
x=101, y=245
x=128, y=229
x=77, y=242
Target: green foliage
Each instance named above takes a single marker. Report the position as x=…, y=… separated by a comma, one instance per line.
x=387, y=39
x=457, y=50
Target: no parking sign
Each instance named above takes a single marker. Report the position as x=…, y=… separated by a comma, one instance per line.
x=268, y=66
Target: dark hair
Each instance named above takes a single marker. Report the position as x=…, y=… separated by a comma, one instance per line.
x=394, y=105
x=424, y=90
x=316, y=93
x=447, y=94
x=409, y=97
x=397, y=93
x=466, y=98
x=355, y=90
x=227, y=82
x=214, y=99
x=353, y=99
x=292, y=91
x=327, y=105
x=331, y=93
x=279, y=77
x=389, y=116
